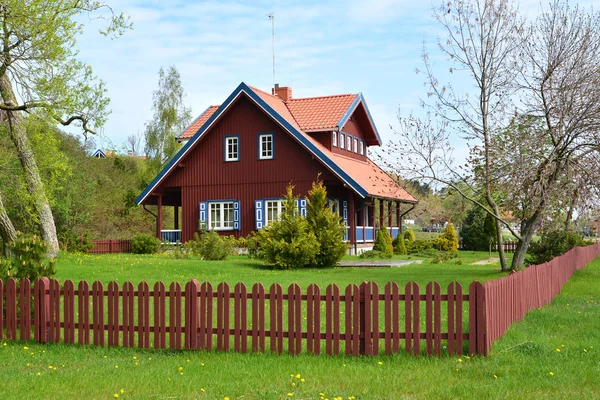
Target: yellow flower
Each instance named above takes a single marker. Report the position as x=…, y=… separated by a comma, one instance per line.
x=558, y=350
x=290, y=394
x=380, y=363
x=180, y=369
x=551, y=373
x=302, y=380
x=39, y=374
x=116, y=395
x=298, y=376
x=226, y=398
x=49, y=366
x=460, y=360
x=122, y=391
x=585, y=350
x=202, y=390
x=495, y=377
x=25, y=348
x=322, y=394
x=187, y=360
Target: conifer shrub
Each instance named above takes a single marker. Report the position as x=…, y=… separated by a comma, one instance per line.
x=409, y=236
x=383, y=243
x=327, y=227
x=28, y=259
x=399, y=245
x=447, y=241
x=145, y=244
x=288, y=242
x=74, y=243
x=424, y=247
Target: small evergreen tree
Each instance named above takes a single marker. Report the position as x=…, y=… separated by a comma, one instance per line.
x=409, y=236
x=327, y=227
x=383, y=243
x=478, y=230
x=399, y=245
x=289, y=242
x=447, y=241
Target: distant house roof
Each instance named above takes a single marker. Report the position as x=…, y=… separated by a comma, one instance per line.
x=99, y=154
x=364, y=177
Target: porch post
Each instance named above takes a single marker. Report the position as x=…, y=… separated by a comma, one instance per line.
x=159, y=217
x=352, y=218
x=373, y=217
x=365, y=220
x=381, y=216
x=399, y=214
x=390, y=222
x=176, y=218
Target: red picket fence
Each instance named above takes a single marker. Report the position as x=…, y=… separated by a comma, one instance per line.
x=110, y=246
x=509, y=246
x=200, y=317
x=508, y=299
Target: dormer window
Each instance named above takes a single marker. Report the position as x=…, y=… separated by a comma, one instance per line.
x=342, y=140
x=361, y=147
x=349, y=143
x=356, y=145
x=334, y=138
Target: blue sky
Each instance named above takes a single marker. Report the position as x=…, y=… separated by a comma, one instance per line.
x=321, y=48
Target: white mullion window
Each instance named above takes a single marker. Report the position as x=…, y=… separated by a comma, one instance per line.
x=349, y=143
x=220, y=216
x=334, y=136
x=356, y=145
x=265, y=142
x=361, y=148
x=342, y=140
x=273, y=209
x=232, y=148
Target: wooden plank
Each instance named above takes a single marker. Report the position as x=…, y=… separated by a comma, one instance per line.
x=416, y=319
x=375, y=317
x=313, y=319
x=387, y=309
x=332, y=320
x=113, y=314
x=2, y=310
x=191, y=315
x=258, y=318
x=348, y=319
x=395, y=317
x=240, y=309
x=128, y=314
x=24, y=308
x=175, y=316
x=223, y=307
x=54, y=311
x=437, y=319
x=408, y=332
x=451, y=318
x=11, y=309
x=261, y=318
x=365, y=332
x=206, y=323
x=144, y=315
x=294, y=319
x=83, y=310
x=98, y=313
x=429, y=319
x=69, y=311
x=276, y=318
x=160, y=315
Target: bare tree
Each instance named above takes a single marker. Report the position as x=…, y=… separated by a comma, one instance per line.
x=133, y=143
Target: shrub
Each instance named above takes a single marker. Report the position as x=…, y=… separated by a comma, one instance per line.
x=369, y=254
x=28, y=259
x=442, y=256
x=420, y=247
x=383, y=242
x=553, y=244
x=399, y=245
x=409, y=236
x=74, y=243
x=326, y=226
x=289, y=242
x=252, y=244
x=447, y=241
x=145, y=244
x=478, y=230
x=209, y=245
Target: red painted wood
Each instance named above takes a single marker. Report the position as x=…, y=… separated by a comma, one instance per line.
x=24, y=308
x=54, y=311
x=175, y=330
x=451, y=303
x=416, y=311
x=437, y=319
x=2, y=310
x=191, y=315
x=113, y=313
x=332, y=320
x=206, y=321
x=365, y=344
x=408, y=317
x=160, y=313
x=258, y=318
x=429, y=319
x=144, y=315
x=69, y=312
x=98, y=313
x=223, y=324
x=83, y=311
x=276, y=318
x=240, y=311
x=128, y=314
x=11, y=309
x=313, y=322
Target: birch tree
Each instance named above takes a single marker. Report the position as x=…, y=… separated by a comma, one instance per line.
x=41, y=76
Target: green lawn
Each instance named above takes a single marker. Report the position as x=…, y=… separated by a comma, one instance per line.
x=553, y=354
x=153, y=268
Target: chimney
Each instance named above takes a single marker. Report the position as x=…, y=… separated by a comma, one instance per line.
x=283, y=92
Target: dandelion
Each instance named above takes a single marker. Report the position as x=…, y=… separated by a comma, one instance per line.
x=380, y=363
x=562, y=345
x=28, y=365
x=322, y=394
x=116, y=395
x=302, y=380
x=202, y=390
x=585, y=350
x=297, y=376
x=116, y=367
x=460, y=360
x=495, y=376
x=226, y=398
x=558, y=350
x=25, y=348
x=202, y=364
x=290, y=394
x=180, y=369
x=122, y=391
x=187, y=360
x=49, y=366
x=291, y=375
x=39, y=374
x=551, y=373
x=345, y=365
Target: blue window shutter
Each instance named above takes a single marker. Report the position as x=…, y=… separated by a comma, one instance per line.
x=259, y=214
x=303, y=207
x=203, y=216
x=237, y=218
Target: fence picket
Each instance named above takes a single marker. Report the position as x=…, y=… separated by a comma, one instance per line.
x=223, y=307
x=240, y=312
x=276, y=318
x=160, y=315
x=98, y=313
x=83, y=311
x=191, y=314
x=206, y=316
x=144, y=315
x=128, y=315
x=2, y=310
x=113, y=314
x=258, y=318
x=175, y=316
x=25, y=309
x=69, y=312
x=11, y=309
x=54, y=311
x=332, y=320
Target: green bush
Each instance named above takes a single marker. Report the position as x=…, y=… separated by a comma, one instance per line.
x=399, y=245
x=424, y=247
x=409, y=236
x=374, y=254
x=442, y=256
x=145, y=244
x=383, y=242
x=288, y=242
x=552, y=244
x=74, y=243
x=28, y=259
x=447, y=241
x=478, y=230
x=252, y=244
x=209, y=245
x=327, y=227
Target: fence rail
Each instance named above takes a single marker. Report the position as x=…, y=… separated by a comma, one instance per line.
x=360, y=319
x=509, y=246
x=110, y=246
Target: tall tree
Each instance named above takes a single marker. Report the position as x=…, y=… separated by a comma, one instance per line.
x=38, y=61
x=170, y=117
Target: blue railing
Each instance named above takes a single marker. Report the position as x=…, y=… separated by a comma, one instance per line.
x=170, y=236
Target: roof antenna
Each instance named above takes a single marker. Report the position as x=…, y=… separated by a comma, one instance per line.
x=271, y=16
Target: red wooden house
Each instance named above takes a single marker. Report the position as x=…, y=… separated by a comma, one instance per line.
x=239, y=157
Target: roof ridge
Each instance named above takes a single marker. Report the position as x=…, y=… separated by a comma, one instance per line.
x=323, y=97
x=262, y=91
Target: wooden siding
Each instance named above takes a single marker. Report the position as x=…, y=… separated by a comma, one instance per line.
x=206, y=176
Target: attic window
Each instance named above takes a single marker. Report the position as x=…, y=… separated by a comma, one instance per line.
x=342, y=140
x=356, y=145
x=334, y=138
x=349, y=143
x=361, y=147
x=232, y=148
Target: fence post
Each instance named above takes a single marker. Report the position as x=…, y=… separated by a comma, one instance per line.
x=362, y=320
x=477, y=324
x=110, y=246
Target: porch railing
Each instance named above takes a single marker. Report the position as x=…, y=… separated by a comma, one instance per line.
x=366, y=234
x=171, y=236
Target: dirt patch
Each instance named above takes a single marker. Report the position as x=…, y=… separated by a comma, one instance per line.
x=488, y=261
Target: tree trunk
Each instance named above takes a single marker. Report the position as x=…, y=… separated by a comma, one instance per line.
x=573, y=201
x=7, y=230
x=35, y=185
x=500, y=241
x=523, y=244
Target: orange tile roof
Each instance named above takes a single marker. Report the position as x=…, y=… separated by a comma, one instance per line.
x=324, y=113
x=197, y=123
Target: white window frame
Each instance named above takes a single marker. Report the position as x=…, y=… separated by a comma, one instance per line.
x=229, y=156
x=222, y=224
x=262, y=155
x=348, y=142
x=342, y=141
x=334, y=136
x=361, y=148
x=356, y=145
x=279, y=206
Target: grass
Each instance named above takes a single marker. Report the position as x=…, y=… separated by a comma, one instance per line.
x=554, y=353
x=153, y=268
